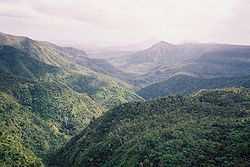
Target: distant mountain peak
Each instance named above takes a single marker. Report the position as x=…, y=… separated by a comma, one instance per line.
x=162, y=44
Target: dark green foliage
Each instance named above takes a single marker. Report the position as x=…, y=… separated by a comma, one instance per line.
x=183, y=84
x=210, y=128
x=13, y=150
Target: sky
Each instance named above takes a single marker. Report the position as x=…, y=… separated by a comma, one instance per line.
x=103, y=23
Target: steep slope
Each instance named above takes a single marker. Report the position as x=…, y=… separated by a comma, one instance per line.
x=72, y=64
x=184, y=84
x=210, y=128
x=42, y=51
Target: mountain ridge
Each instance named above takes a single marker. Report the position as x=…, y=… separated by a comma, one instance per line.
x=159, y=64
x=184, y=85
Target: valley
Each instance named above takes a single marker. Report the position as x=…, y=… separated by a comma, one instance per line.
x=123, y=83
x=166, y=104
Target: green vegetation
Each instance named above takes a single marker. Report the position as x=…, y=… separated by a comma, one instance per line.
x=35, y=60
x=51, y=95
x=105, y=92
x=13, y=151
x=48, y=114
x=209, y=128
x=45, y=99
x=183, y=84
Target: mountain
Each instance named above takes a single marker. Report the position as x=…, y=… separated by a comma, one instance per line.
x=143, y=61
x=48, y=94
x=209, y=128
x=184, y=84
x=44, y=51
x=164, y=60
x=52, y=95
x=73, y=64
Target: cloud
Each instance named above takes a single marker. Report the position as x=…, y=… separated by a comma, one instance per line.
x=113, y=22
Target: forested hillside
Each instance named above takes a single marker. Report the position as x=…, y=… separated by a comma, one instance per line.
x=45, y=98
x=209, y=128
x=44, y=114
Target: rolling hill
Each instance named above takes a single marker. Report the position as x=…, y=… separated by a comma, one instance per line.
x=209, y=128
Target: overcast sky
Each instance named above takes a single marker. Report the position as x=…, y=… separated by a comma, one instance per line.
x=124, y=22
